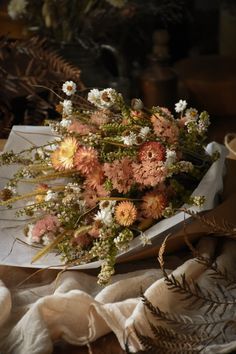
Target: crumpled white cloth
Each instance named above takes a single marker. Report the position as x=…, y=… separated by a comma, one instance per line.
x=76, y=309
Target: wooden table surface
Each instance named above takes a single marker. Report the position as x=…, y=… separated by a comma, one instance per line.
x=2, y=143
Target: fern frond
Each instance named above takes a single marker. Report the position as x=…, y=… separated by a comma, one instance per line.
x=223, y=229
x=218, y=274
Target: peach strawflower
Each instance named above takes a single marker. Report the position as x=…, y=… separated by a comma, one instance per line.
x=120, y=172
x=100, y=117
x=165, y=128
x=80, y=128
x=152, y=151
x=63, y=157
x=149, y=173
x=56, y=161
x=125, y=213
x=86, y=159
x=153, y=204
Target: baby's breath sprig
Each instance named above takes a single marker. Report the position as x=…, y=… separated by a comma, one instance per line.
x=11, y=157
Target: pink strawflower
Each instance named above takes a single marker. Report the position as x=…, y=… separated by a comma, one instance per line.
x=151, y=151
x=102, y=192
x=80, y=128
x=49, y=223
x=95, y=180
x=86, y=159
x=165, y=128
x=100, y=117
x=182, y=121
x=91, y=197
x=120, y=173
x=149, y=173
x=95, y=231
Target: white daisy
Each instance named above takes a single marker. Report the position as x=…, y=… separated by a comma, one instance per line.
x=104, y=216
x=180, y=106
x=94, y=97
x=108, y=97
x=69, y=88
x=191, y=114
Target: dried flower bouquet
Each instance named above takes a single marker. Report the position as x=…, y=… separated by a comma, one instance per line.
x=112, y=171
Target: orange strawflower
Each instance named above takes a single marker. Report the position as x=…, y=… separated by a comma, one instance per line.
x=154, y=204
x=125, y=213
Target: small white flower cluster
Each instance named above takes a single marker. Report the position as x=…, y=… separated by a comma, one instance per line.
x=103, y=99
x=107, y=270
x=73, y=187
x=185, y=166
x=170, y=157
x=41, y=154
x=73, y=196
x=198, y=200
x=17, y=8
x=11, y=188
x=130, y=139
x=65, y=123
x=123, y=239
x=67, y=107
x=145, y=240
x=50, y=196
x=203, y=123
x=48, y=238
x=26, y=173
